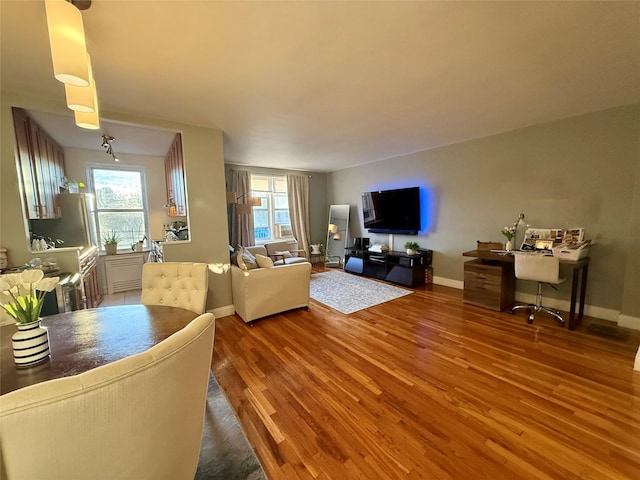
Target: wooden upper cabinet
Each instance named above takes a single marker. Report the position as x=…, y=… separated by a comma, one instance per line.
x=40, y=167
x=26, y=167
x=174, y=174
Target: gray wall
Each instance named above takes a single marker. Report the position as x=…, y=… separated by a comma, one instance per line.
x=577, y=172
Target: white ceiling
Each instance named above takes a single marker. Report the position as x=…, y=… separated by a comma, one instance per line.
x=327, y=85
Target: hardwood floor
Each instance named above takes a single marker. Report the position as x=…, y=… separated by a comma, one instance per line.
x=428, y=387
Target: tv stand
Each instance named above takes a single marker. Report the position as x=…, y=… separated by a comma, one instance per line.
x=392, y=266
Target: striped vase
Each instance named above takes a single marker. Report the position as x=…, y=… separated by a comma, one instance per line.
x=30, y=344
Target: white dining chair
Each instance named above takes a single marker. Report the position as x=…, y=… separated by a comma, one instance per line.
x=139, y=417
x=175, y=284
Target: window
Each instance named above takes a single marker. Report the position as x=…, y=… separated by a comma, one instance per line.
x=271, y=218
x=120, y=203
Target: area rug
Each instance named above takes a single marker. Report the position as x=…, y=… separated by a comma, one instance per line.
x=225, y=452
x=349, y=293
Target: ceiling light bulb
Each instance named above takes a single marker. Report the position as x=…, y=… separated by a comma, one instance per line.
x=66, y=38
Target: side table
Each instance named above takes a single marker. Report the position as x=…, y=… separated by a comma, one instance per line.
x=317, y=258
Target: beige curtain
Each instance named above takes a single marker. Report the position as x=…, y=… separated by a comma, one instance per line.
x=298, y=192
x=241, y=225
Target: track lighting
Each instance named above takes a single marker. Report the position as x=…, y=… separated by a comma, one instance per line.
x=106, y=143
x=106, y=140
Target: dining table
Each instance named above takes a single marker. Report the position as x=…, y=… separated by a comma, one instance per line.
x=81, y=340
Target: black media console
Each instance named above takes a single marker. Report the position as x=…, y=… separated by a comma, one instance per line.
x=394, y=267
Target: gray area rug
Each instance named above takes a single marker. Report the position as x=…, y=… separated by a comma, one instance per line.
x=349, y=293
x=225, y=453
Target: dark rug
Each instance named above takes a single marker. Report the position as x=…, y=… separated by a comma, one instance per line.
x=225, y=453
x=610, y=331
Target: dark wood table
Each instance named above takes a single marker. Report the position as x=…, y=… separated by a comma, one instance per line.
x=85, y=339
x=577, y=267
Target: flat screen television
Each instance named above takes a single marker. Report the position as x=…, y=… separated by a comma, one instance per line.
x=392, y=211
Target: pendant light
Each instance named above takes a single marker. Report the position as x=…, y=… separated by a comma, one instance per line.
x=82, y=99
x=66, y=38
x=88, y=120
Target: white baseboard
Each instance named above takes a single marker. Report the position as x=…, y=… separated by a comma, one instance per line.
x=626, y=321
x=223, y=311
x=447, y=282
x=636, y=365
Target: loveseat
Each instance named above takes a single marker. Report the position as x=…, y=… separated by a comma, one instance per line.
x=265, y=291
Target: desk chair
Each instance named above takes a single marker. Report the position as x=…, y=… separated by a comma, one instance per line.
x=542, y=269
x=175, y=284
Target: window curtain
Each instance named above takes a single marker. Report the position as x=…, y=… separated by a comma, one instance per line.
x=298, y=193
x=241, y=225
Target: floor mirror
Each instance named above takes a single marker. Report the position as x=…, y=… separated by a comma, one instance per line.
x=337, y=235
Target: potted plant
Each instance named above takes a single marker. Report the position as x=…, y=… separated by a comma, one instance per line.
x=111, y=243
x=316, y=248
x=71, y=186
x=22, y=297
x=137, y=247
x=509, y=233
x=411, y=247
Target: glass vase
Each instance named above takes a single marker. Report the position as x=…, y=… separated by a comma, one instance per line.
x=30, y=344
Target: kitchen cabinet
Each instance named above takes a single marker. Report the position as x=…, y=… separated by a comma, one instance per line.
x=40, y=167
x=174, y=174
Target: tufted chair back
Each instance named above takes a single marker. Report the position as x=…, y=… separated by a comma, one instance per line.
x=175, y=284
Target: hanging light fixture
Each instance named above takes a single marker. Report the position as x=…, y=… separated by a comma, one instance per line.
x=88, y=120
x=106, y=143
x=83, y=99
x=66, y=38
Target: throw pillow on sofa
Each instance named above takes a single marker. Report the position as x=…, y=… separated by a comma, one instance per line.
x=246, y=260
x=264, y=262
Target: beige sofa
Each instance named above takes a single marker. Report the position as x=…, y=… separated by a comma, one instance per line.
x=261, y=292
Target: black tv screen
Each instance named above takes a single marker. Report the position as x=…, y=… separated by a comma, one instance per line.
x=392, y=211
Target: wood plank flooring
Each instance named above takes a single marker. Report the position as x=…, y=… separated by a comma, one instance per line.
x=426, y=387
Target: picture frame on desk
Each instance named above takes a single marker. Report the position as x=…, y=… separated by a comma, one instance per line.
x=573, y=235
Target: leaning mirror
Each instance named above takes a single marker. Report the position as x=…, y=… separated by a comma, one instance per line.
x=337, y=235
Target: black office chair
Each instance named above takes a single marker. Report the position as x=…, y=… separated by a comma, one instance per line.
x=542, y=269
